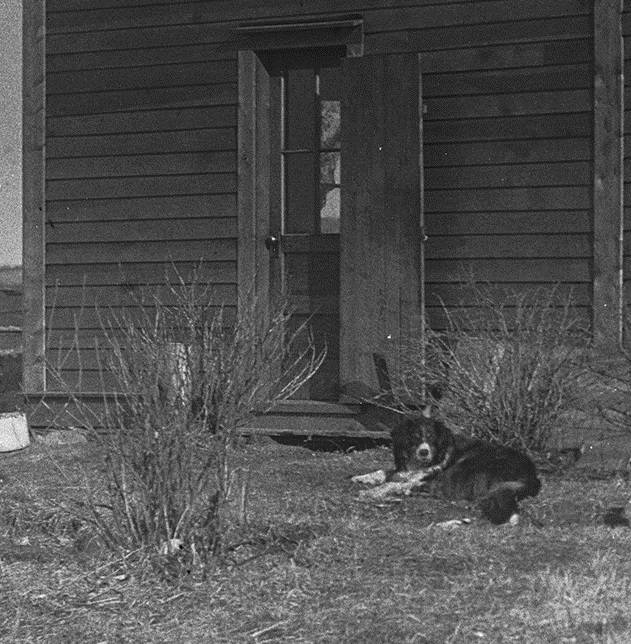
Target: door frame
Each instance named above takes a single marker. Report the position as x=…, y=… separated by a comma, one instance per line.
x=261, y=275
x=253, y=211
x=253, y=128
x=253, y=174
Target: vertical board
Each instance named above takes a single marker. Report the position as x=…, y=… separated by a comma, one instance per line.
x=626, y=35
x=608, y=172
x=381, y=211
x=33, y=201
x=253, y=200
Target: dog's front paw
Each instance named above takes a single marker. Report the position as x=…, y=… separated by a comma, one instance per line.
x=372, y=478
x=382, y=492
x=413, y=477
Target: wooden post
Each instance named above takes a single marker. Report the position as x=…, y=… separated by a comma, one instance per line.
x=33, y=196
x=246, y=164
x=253, y=177
x=608, y=173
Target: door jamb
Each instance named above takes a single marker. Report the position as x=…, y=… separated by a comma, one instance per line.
x=253, y=171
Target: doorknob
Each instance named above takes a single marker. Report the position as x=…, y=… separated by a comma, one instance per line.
x=272, y=243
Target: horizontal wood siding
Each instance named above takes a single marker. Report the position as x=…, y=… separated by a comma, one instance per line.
x=508, y=158
x=141, y=166
x=142, y=135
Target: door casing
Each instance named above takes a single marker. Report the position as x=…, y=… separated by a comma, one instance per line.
x=379, y=255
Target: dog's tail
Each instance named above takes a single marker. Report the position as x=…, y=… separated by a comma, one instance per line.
x=500, y=505
x=502, y=502
x=532, y=487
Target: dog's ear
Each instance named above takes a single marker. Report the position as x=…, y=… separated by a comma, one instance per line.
x=427, y=411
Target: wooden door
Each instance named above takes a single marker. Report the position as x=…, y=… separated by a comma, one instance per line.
x=382, y=218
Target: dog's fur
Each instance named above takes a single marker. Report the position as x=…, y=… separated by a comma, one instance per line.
x=494, y=477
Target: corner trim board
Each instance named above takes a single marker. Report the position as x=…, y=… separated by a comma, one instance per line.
x=608, y=175
x=33, y=193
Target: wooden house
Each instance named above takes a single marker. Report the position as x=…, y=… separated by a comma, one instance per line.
x=367, y=153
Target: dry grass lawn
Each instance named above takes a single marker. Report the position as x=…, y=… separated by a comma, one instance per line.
x=313, y=564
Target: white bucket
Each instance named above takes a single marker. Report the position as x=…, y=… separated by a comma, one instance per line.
x=13, y=432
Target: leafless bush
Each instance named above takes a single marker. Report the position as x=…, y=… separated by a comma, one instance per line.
x=185, y=376
x=507, y=369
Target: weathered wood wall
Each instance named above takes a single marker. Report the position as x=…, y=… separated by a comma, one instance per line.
x=142, y=138
x=626, y=33
x=141, y=159
x=508, y=150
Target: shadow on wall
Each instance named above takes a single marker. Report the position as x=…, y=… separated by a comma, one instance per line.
x=10, y=381
x=10, y=336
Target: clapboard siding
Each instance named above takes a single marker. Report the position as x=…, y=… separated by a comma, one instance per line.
x=127, y=251
x=142, y=140
x=113, y=209
x=140, y=186
x=516, y=104
x=582, y=315
x=388, y=15
x=161, y=229
x=179, y=35
x=92, y=320
x=109, y=59
x=141, y=162
x=455, y=295
x=500, y=33
x=501, y=176
x=142, y=121
x=153, y=76
x=63, y=296
x=508, y=171
x=131, y=165
x=524, y=245
x=495, y=270
x=515, y=222
x=137, y=273
x=198, y=140
x=508, y=127
x=130, y=100
x=483, y=198
x=507, y=152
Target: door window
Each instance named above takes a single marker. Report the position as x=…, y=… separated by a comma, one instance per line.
x=311, y=139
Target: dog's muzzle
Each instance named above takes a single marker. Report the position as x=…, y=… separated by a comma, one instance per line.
x=424, y=454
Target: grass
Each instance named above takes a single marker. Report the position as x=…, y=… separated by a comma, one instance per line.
x=315, y=565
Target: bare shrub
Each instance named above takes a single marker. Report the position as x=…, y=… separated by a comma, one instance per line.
x=508, y=369
x=184, y=376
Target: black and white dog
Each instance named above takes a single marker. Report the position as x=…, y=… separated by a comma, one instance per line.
x=429, y=456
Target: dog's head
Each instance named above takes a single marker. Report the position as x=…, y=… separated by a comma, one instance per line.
x=425, y=441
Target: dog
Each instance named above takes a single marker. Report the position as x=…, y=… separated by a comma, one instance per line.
x=429, y=456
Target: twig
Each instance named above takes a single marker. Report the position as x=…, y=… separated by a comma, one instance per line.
x=267, y=629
